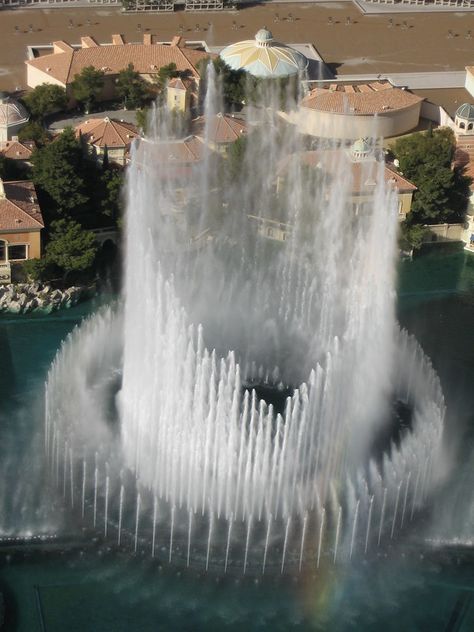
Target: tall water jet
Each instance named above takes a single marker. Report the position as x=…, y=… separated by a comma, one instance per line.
x=225, y=388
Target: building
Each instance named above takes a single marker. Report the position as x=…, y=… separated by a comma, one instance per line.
x=13, y=116
x=109, y=135
x=21, y=223
x=464, y=157
x=360, y=159
x=17, y=150
x=172, y=159
x=180, y=94
x=66, y=61
x=464, y=119
x=57, y=3
x=220, y=131
x=264, y=57
x=357, y=110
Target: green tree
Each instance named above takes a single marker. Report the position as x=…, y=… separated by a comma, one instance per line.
x=233, y=82
x=11, y=170
x=71, y=248
x=45, y=99
x=39, y=269
x=87, y=86
x=443, y=190
x=34, y=131
x=58, y=170
x=412, y=234
x=131, y=87
x=141, y=117
x=236, y=157
x=111, y=204
x=165, y=73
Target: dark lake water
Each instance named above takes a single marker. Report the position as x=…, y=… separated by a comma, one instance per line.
x=408, y=586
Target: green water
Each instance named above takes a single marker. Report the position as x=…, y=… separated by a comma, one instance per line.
x=94, y=590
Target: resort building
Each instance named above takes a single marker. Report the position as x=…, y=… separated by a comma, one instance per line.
x=21, y=223
x=357, y=110
x=219, y=131
x=264, y=57
x=464, y=157
x=13, y=116
x=107, y=135
x=65, y=62
x=17, y=150
x=359, y=158
x=181, y=94
x=174, y=159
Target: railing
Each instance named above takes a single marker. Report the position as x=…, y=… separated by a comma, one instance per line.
x=5, y=273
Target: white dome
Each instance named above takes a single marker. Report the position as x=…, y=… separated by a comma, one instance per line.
x=11, y=112
x=263, y=57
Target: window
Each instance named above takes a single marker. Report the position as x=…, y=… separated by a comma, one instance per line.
x=3, y=250
x=461, y=125
x=270, y=232
x=17, y=252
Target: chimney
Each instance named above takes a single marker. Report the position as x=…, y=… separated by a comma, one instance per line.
x=178, y=41
x=88, y=42
x=118, y=40
x=2, y=190
x=147, y=39
x=61, y=47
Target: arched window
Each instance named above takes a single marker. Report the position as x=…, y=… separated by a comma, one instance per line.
x=469, y=126
x=462, y=125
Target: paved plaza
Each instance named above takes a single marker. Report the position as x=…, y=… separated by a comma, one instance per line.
x=348, y=41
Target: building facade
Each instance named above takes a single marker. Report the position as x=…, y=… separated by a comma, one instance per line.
x=21, y=224
x=357, y=110
x=65, y=62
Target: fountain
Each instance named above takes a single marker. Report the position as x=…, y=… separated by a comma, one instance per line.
x=228, y=405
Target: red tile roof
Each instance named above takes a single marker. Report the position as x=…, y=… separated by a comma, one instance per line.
x=177, y=158
x=359, y=184
x=222, y=128
x=19, y=209
x=17, y=150
x=107, y=132
x=63, y=64
x=359, y=99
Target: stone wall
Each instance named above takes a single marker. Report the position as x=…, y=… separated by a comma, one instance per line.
x=22, y=298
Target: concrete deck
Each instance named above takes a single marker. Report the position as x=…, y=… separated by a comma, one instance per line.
x=369, y=45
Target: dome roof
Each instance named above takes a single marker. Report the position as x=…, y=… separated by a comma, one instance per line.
x=360, y=149
x=11, y=112
x=263, y=57
x=466, y=111
x=264, y=35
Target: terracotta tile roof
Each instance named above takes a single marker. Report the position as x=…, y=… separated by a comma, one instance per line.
x=361, y=180
x=359, y=99
x=16, y=150
x=179, y=84
x=188, y=150
x=102, y=132
x=19, y=209
x=146, y=58
x=222, y=128
x=177, y=158
x=402, y=184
